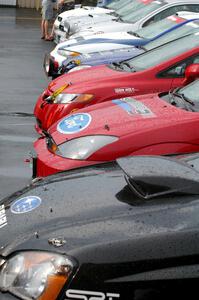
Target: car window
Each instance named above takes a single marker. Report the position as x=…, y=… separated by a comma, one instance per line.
x=117, y=4
x=130, y=7
x=163, y=53
x=142, y=11
x=170, y=11
x=179, y=69
x=186, y=29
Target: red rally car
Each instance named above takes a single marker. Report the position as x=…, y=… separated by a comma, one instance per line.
x=157, y=70
x=154, y=124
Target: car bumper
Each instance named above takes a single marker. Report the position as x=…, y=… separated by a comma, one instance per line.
x=49, y=67
x=45, y=163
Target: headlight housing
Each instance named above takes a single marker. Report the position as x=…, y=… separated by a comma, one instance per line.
x=67, y=53
x=83, y=147
x=35, y=275
x=68, y=98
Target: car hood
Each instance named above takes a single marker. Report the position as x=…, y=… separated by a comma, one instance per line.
x=94, y=45
x=110, y=26
x=104, y=214
x=93, y=38
x=137, y=116
x=106, y=56
x=83, y=79
x=84, y=11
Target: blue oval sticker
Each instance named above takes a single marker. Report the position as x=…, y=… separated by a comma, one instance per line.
x=74, y=123
x=25, y=204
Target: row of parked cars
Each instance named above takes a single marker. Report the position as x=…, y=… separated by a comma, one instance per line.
x=118, y=134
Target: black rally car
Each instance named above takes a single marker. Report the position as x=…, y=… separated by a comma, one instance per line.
x=126, y=230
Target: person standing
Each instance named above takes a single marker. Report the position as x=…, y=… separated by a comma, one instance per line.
x=47, y=16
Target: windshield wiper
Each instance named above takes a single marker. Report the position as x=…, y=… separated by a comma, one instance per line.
x=114, y=14
x=171, y=98
x=134, y=33
x=128, y=65
x=119, y=19
x=183, y=97
x=117, y=65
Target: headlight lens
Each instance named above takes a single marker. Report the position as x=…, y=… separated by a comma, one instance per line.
x=35, y=275
x=79, y=68
x=65, y=98
x=67, y=53
x=83, y=147
x=68, y=98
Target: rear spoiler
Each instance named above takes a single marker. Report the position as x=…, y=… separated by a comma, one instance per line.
x=154, y=176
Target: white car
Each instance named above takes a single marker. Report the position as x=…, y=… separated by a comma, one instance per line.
x=149, y=12
x=86, y=12
x=176, y=25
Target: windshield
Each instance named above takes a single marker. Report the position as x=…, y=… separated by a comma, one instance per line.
x=117, y=4
x=130, y=7
x=154, y=29
x=188, y=28
x=140, y=12
x=191, y=91
x=161, y=54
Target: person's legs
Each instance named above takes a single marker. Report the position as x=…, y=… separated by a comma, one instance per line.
x=47, y=15
x=42, y=29
x=46, y=29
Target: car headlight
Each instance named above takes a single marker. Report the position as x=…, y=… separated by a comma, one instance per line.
x=67, y=98
x=83, y=147
x=35, y=275
x=78, y=68
x=67, y=53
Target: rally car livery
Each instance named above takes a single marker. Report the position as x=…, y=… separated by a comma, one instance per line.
x=152, y=11
x=153, y=124
x=89, y=53
x=107, y=12
x=93, y=233
x=160, y=69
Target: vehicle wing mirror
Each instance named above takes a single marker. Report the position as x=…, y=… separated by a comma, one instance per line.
x=191, y=73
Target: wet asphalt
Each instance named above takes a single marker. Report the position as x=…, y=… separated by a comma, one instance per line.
x=21, y=81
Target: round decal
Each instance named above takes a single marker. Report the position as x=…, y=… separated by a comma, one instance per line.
x=73, y=124
x=25, y=204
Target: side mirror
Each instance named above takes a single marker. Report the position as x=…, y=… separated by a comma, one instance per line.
x=191, y=73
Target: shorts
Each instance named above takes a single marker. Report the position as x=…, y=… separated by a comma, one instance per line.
x=47, y=11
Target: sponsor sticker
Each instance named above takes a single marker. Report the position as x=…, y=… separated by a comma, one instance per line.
x=176, y=19
x=75, y=123
x=90, y=295
x=3, y=219
x=125, y=90
x=25, y=204
x=133, y=107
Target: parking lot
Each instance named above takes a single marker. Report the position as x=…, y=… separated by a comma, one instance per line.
x=21, y=81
